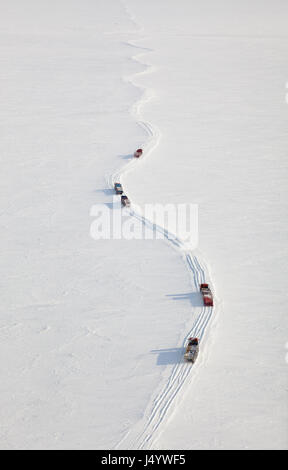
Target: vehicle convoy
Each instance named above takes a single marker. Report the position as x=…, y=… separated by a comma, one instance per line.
x=125, y=201
x=207, y=295
x=118, y=188
x=192, y=350
x=138, y=153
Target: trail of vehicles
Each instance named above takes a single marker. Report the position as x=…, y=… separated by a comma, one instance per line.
x=119, y=191
x=118, y=186
x=192, y=348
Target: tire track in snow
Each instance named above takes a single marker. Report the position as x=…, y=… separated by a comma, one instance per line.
x=141, y=436
x=180, y=372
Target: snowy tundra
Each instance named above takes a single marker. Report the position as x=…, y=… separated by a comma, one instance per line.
x=92, y=332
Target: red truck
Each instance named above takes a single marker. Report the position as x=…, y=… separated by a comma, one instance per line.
x=207, y=295
x=138, y=153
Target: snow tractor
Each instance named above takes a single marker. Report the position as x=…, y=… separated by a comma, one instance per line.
x=207, y=295
x=118, y=188
x=125, y=201
x=192, y=350
x=138, y=153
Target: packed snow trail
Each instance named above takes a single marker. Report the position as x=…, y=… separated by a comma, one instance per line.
x=141, y=436
x=180, y=371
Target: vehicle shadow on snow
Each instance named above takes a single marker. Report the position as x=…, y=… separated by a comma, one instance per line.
x=169, y=356
x=108, y=192
x=126, y=157
x=195, y=298
x=111, y=205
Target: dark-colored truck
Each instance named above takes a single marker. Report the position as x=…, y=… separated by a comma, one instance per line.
x=118, y=188
x=125, y=201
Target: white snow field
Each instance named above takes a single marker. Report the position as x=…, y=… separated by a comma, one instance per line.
x=92, y=332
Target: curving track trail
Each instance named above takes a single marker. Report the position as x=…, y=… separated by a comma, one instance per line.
x=143, y=434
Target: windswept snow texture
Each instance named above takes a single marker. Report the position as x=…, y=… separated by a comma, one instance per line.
x=92, y=332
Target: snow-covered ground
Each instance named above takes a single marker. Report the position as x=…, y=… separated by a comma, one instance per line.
x=92, y=332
